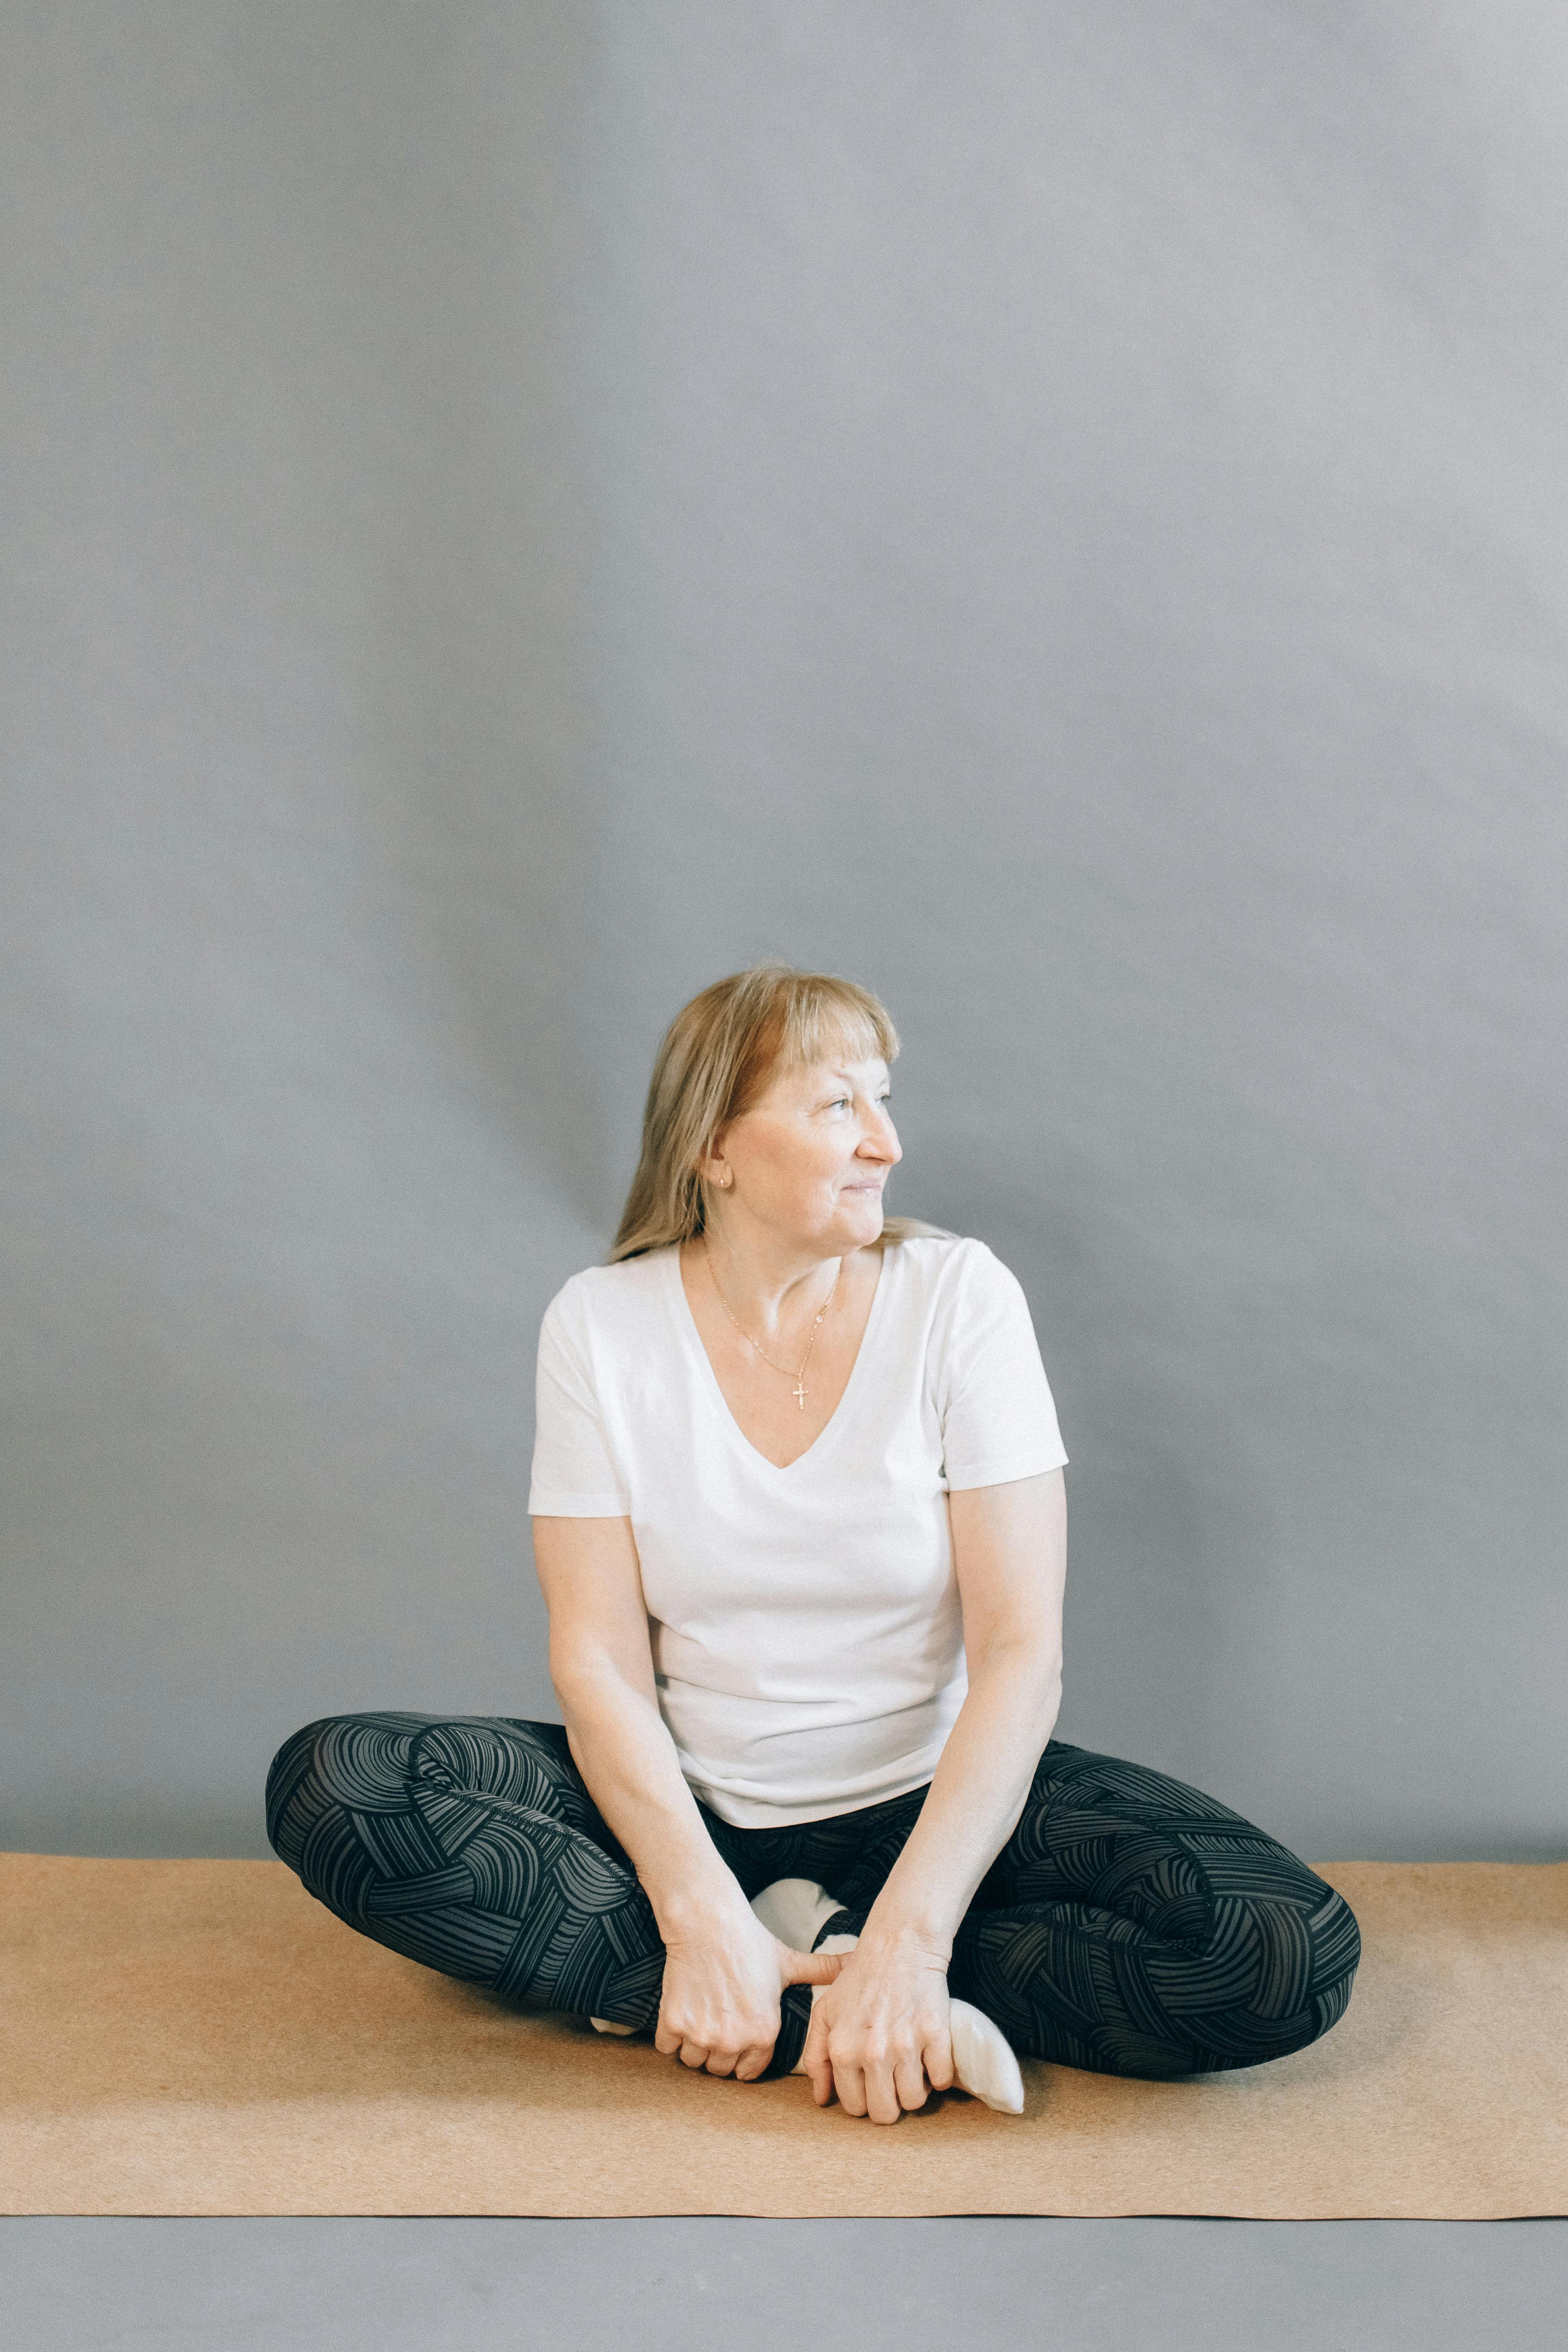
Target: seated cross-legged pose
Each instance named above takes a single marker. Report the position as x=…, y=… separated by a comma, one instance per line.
x=799, y=1520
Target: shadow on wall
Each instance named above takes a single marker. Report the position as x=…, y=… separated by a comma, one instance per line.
x=426, y=188
x=1162, y=1525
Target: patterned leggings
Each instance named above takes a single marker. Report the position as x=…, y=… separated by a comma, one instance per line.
x=1128, y=1925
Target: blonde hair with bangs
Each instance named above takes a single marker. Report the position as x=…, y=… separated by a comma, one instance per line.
x=718, y=1056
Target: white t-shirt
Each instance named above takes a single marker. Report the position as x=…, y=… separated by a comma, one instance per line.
x=807, y=1638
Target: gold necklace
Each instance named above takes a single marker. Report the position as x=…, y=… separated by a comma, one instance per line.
x=800, y=1391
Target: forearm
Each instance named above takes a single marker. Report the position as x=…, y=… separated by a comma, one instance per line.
x=627, y=1758
x=975, y=1797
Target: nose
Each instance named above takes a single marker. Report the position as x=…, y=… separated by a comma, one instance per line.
x=880, y=1141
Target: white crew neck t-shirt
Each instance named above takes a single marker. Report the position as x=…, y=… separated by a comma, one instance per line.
x=807, y=1639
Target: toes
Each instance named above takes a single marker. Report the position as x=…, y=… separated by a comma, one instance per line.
x=983, y=2060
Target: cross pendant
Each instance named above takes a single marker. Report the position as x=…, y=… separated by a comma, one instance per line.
x=799, y=1393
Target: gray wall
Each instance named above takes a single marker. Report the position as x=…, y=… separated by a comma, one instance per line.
x=1055, y=510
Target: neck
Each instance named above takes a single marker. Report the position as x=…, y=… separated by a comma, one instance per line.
x=764, y=1278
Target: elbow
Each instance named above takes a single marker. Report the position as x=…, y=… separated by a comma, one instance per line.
x=572, y=1675
x=1047, y=1684
x=1033, y=1669
x=586, y=1677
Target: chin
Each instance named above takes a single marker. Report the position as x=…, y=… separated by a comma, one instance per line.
x=860, y=1222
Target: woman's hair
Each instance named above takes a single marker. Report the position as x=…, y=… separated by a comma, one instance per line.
x=718, y=1056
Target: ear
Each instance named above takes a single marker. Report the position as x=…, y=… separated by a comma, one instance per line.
x=715, y=1170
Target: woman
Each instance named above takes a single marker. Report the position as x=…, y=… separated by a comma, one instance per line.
x=799, y=1521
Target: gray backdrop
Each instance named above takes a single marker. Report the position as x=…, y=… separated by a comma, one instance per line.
x=1055, y=509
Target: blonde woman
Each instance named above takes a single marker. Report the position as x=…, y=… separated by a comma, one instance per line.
x=799, y=1521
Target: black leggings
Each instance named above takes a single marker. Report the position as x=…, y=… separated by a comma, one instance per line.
x=1128, y=1925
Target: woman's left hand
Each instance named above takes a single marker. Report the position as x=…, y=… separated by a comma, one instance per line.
x=879, y=2036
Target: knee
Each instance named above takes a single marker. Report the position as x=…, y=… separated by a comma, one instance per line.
x=1334, y=1943
x=337, y=1766
x=294, y=1796
x=1269, y=1977
x=1297, y=1966
x=369, y=1765
x=325, y=1782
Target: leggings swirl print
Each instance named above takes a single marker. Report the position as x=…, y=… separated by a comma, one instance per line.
x=1129, y=1925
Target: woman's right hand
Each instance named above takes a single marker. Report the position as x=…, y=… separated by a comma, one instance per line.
x=723, y=1979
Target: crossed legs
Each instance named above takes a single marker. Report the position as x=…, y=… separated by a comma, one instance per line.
x=1130, y=1925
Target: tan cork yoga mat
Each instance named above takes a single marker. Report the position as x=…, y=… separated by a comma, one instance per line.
x=201, y=2037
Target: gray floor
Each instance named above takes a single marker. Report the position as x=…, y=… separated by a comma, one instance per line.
x=784, y=2286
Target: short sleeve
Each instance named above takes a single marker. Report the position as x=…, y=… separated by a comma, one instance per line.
x=998, y=1417
x=573, y=1473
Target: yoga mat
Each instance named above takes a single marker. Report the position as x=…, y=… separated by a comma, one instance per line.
x=201, y=2037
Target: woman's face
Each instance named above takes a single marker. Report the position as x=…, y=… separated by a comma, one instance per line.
x=807, y=1163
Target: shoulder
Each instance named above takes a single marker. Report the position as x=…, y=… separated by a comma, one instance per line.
x=948, y=1269
x=970, y=1307
x=605, y=1301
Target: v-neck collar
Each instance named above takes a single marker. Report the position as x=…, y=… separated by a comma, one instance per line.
x=686, y=1323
